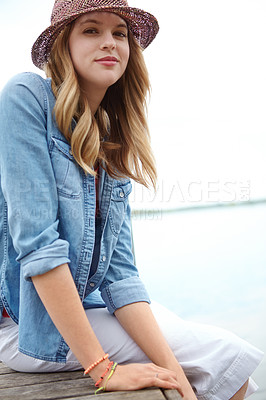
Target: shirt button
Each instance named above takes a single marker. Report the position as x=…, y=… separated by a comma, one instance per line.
x=121, y=194
x=104, y=258
x=92, y=284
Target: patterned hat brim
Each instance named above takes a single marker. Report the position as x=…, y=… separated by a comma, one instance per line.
x=143, y=25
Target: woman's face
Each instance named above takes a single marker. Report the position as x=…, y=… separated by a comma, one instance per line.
x=99, y=50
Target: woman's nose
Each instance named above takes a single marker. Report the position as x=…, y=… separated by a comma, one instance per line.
x=108, y=42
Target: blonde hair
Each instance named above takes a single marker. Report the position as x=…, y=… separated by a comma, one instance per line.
x=118, y=135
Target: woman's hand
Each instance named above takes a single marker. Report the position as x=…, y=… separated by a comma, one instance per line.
x=151, y=340
x=140, y=376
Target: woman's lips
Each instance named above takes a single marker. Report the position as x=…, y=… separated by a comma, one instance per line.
x=107, y=61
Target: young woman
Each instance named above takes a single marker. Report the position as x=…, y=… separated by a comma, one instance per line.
x=71, y=296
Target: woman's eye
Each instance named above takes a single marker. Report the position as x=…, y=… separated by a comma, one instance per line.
x=90, y=31
x=121, y=34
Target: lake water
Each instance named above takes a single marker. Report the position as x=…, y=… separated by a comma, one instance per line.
x=216, y=261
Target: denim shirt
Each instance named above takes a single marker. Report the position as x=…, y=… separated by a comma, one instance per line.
x=47, y=218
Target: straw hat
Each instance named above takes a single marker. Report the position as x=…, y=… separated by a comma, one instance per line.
x=143, y=25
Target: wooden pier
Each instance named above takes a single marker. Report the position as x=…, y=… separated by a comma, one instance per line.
x=66, y=385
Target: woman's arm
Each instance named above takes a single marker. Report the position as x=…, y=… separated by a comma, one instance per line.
x=139, y=322
x=59, y=295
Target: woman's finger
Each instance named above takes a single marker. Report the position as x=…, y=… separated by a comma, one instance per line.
x=161, y=379
x=157, y=382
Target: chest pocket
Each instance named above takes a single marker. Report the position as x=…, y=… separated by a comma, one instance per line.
x=119, y=202
x=66, y=170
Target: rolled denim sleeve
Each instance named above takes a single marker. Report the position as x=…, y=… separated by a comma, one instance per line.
x=27, y=177
x=122, y=284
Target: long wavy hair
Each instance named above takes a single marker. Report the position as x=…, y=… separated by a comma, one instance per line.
x=117, y=136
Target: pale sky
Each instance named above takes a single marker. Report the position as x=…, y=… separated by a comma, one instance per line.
x=207, y=112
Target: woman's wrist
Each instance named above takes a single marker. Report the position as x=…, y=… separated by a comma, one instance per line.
x=97, y=372
x=96, y=363
x=101, y=385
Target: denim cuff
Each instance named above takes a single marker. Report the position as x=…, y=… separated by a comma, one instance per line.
x=45, y=259
x=124, y=292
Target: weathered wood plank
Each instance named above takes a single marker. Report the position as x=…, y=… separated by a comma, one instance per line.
x=5, y=370
x=49, y=391
x=172, y=395
x=152, y=394
x=66, y=385
x=77, y=389
x=20, y=379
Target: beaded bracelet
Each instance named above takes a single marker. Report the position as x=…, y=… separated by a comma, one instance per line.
x=111, y=363
x=88, y=370
x=103, y=388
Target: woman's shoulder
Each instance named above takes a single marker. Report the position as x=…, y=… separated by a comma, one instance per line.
x=29, y=80
x=25, y=85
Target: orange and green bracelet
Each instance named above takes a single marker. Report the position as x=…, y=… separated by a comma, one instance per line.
x=103, y=388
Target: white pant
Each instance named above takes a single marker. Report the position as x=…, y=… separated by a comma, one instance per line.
x=216, y=362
